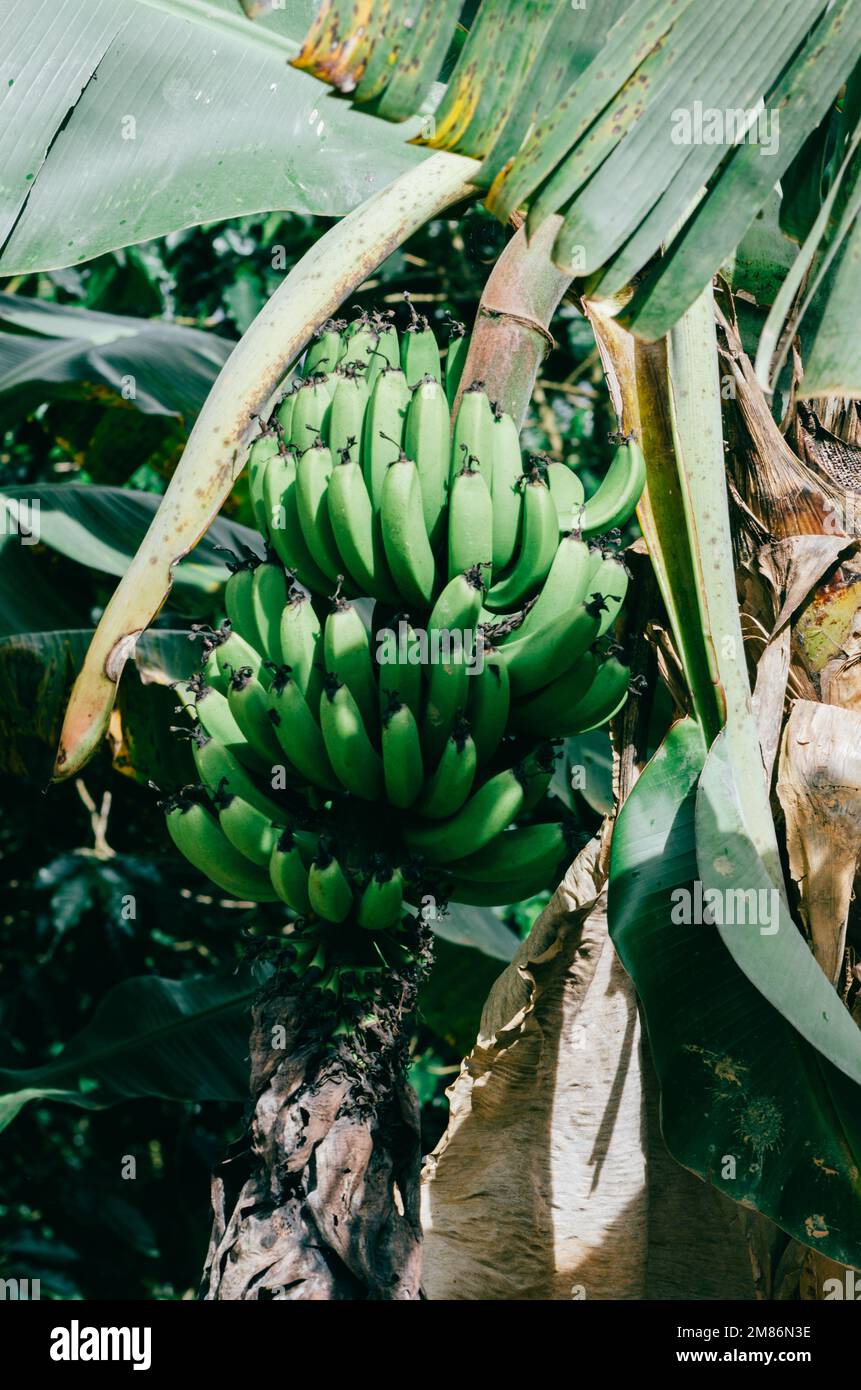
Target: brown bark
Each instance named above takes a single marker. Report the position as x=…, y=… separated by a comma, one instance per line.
x=322, y=1201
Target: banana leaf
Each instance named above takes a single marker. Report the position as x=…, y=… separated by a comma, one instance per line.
x=52, y=351
x=478, y=927
x=565, y=109
x=176, y=1039
x=102, y=527
x=747, y=1103
x=772, y=954
x=121, y=121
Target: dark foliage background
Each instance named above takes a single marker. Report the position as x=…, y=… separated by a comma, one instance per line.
x=71, y=857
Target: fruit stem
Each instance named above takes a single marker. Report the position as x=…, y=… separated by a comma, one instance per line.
x=511, y=336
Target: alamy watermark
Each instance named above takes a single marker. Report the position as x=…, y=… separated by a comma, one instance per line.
x=23, y=1290
x=441, y=647
x=711, y=125
x=21, y=517
x=726, y=907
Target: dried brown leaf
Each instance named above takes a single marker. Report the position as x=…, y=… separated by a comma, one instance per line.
x=544, y=1155
x=819, y=786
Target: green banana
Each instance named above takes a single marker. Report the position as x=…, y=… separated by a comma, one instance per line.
x=567, y=492
x=238, y=600
x=216, y=766
x=347, y=652
x=312, y=481
x=455, y=361
x=617, y=495
x=357, y=531
x=403, y=771
x=427, y=442
x=347, y=411
x=329, y=891
x=447, y=789
x=528, y=850
x=488, y=703
x=610, y=580
x=381, y=905
x=357, y=765
x=539, y=657
x=383, y=431
x=506, y=489
x=419, y=351
x=313, y=961
x=566, y=584
x=247, y=829
x=470, y=520
x=372, y=343
x=198, y=836
x=500, y=891
x=537, y=772
x=325, y=351
x=386, y=352
x=459, y=604
x=451, y=636
x=297, y=731
x=301, y=644
x=283, y=416
x=539, y=538
x=397, y=673
x=408, y=549
x=311, y=408
x=265, y=447
x=487, y=812
x=212, y=677
x=280, y=496
x=248, y=699
x=605, y=696
x=268, y=597
x=288, y=874
x=232, y=651
x=447, y=692
x=212, y=711
x=473, y=432
x=550, y=710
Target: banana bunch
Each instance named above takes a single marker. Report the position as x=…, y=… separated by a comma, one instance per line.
x=363, y=474
x=428, y=615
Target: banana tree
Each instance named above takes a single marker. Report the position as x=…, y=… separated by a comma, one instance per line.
x=710, y=121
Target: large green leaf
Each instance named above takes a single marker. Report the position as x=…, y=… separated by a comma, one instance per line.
x=29, y=599
x=694, y=110
x=103, y=527
x=120, y=122
x=57, y=350
x=177, y=1039
x=833, y=366
x=801, y=97
x=694, y=387
x=736, y=52
x=746, y=1102
x=772, y=953
x=479, y=927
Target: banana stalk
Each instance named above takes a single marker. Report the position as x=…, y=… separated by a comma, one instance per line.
x=511, y=337
x=218, y=445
